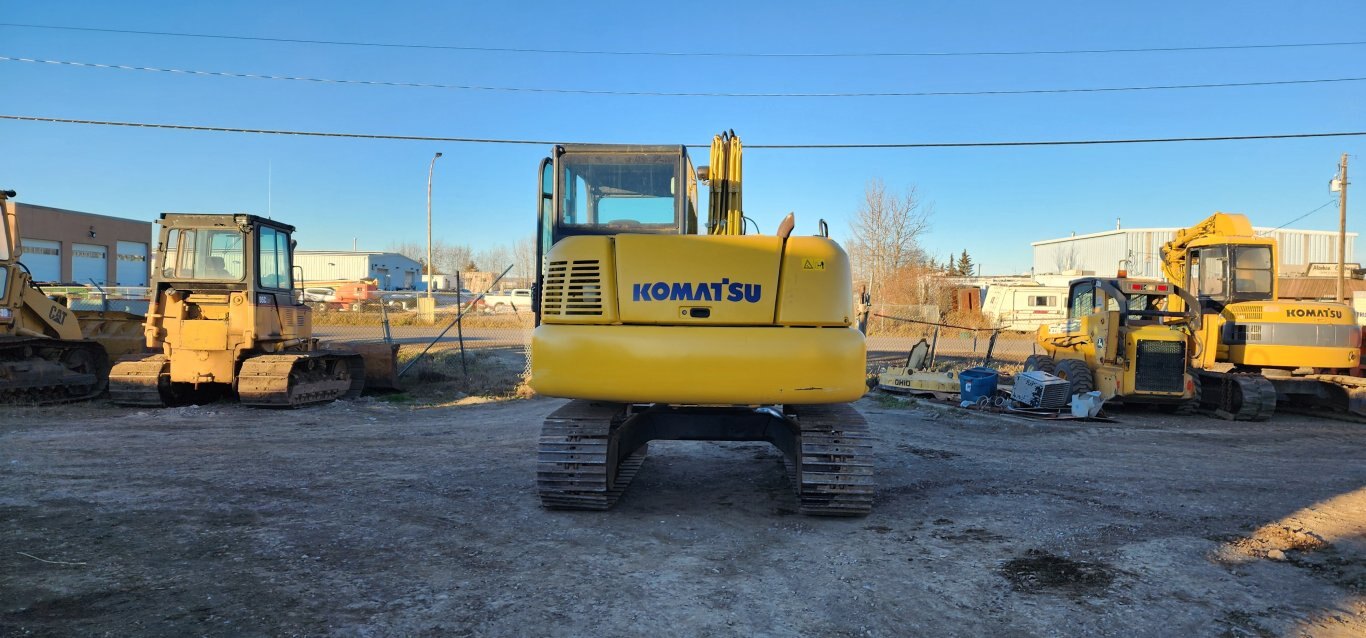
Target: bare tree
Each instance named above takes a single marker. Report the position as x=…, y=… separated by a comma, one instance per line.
x=524, y=259
x=494, y=258
x=885, y=233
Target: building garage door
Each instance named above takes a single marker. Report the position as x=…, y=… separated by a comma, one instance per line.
x=131, y=268
x=89, y=263
x=43, y=258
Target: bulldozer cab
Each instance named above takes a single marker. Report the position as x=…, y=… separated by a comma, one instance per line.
x=226, y=253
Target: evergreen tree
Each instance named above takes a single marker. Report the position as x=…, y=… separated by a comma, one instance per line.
x=964, y=267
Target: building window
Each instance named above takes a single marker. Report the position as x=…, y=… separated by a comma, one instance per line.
x=1042, y=301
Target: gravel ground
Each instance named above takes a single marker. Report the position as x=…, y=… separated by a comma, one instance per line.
x=373, y=519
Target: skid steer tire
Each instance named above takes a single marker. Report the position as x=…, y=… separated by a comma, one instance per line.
x=1039, y=362
x=1076, y=373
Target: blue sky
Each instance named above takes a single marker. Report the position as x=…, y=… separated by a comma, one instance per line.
x=992, y=202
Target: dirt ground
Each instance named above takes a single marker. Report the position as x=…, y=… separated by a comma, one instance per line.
x=376, y=518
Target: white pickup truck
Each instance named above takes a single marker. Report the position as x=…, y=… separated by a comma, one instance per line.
x=515, y=300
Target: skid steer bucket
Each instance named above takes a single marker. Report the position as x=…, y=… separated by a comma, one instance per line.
x=119, y=332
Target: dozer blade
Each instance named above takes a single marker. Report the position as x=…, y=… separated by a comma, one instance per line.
x=381, y=363
x=119, y=332
x=297, y=379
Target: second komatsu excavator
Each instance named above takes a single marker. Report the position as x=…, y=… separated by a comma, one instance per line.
x=1254, y=349
x=661, y=330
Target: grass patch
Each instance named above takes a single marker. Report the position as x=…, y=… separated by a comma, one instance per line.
x=440, y=377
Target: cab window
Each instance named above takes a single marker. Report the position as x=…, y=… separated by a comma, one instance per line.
x=1082, y=302
x=204, y=254
x=273, y=260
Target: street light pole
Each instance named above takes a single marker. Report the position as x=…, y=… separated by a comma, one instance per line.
x=430, y=273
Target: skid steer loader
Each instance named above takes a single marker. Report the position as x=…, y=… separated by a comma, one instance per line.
x=225, y=316
x=663, y=330
x=1121, y=339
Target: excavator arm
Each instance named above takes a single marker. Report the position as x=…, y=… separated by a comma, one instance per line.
x=725, y=213
x=1175, y=261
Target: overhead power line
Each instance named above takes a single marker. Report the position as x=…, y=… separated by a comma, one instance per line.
x=1325, y=205
x=532, y=89
x=711, y=54
x=478, y=140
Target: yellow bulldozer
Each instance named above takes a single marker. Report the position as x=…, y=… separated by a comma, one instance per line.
x=1254, y=349
x=43, y=355
x=225, y=316
x=1122, y=339
x=659, y=329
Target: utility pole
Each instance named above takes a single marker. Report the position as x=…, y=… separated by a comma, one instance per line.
x=1342, y=230
x=431, y=274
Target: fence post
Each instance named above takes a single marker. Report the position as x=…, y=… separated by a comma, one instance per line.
x=991, y=345
x=934, y=345
x=459, y=324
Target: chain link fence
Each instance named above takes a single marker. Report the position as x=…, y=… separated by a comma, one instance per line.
x=893, y=330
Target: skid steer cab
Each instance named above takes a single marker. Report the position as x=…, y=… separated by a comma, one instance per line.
x=225, y=316
x=1121, y=339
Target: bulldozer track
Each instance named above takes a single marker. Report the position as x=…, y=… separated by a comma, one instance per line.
x=1237, y=396
x=139, y=381
x=575, y=466
x=297, y=379
x=43, y=371
x=833, y=475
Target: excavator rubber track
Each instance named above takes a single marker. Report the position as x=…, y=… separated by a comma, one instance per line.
x=296, y=379
x=1237, y=396
x=833, y=475
x=42, y=371
x=140, y=381
x=576, y=468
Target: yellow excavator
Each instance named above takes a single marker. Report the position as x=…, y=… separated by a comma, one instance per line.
x=661, y=330
x=1254, y=349
x=224, y=315
x=43, y=356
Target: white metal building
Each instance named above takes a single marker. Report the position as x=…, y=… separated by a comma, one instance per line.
x=1141, y=248
x=392, y=271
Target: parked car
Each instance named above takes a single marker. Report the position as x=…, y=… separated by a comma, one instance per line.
x=320, y=295
x=515, y=300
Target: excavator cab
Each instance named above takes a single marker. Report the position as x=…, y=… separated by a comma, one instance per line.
x=225, y=314
x=1225, y=274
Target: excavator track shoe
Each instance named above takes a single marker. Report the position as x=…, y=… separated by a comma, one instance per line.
x=576, y=466
x=833, y=475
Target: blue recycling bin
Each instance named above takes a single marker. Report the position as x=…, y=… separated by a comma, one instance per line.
x=975, y=383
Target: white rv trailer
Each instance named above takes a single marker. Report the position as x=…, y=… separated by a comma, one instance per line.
x=1025, y=308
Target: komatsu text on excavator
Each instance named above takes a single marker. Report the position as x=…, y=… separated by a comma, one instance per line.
x=663, y=330
x=1254, y=349
x=225, y=315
